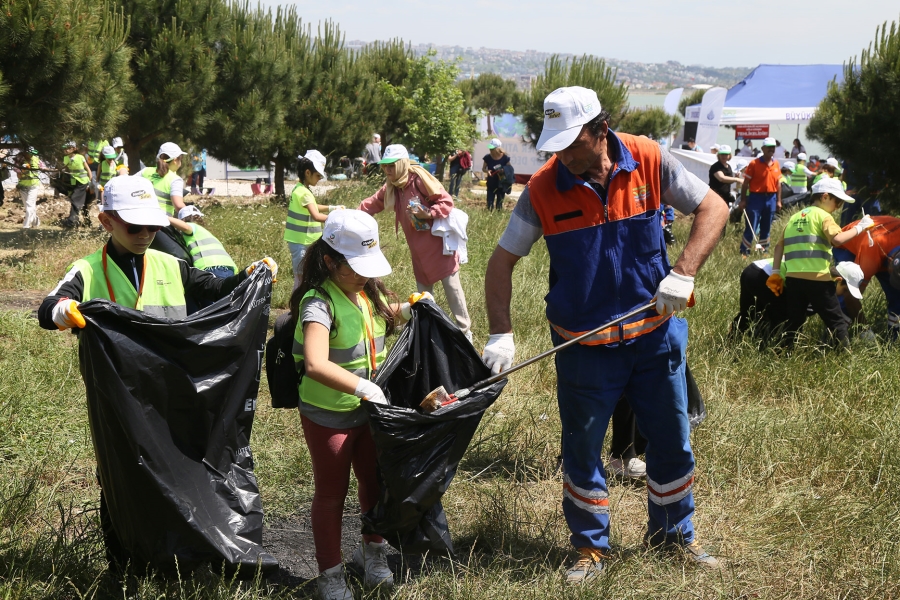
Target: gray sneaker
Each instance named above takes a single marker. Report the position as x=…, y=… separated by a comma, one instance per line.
x=372, y=559
x=333, y=584
x=589, y=565
x=697, y=554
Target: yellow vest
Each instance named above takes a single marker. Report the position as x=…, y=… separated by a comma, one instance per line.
x=300, y=227
x=162, y=186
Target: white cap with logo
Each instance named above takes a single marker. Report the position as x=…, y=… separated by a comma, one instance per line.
x=393, y=153
x=853, y=276
x=769, y=141
x=170, y=149
x=494, y=143
x=832, y=187
x=318, y=160
x=134, y=200
x=565, y=111
x=354, y=234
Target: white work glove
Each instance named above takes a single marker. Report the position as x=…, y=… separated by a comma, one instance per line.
x=499, y=352
x=406, y=311
x=366, y=390
x=865, y=223
x=269, y=262
x=66, y=315
x=673, y=293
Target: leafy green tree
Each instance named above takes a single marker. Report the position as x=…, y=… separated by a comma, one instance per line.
x=653, y=122
x=490, y=93
x=587, y=71
x=64, y=71
x=435, y=120
x=859, y=120
x=388, y=62
x=176, y=45
x=689, y=99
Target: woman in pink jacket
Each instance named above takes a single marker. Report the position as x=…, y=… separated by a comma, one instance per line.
x=417, y=198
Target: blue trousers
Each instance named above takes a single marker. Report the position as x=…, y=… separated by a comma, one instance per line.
x=590, y=381
x=761, y=211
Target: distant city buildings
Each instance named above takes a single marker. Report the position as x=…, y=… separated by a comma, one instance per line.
x=523, y=66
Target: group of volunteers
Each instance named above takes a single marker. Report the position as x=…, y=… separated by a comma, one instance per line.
x=597, y=204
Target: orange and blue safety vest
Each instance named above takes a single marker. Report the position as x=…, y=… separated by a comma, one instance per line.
x=607, y=255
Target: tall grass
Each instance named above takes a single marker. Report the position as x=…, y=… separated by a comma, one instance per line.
x=797, y=476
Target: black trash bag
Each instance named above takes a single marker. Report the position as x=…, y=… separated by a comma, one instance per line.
x=418, y=453
x=171, y=407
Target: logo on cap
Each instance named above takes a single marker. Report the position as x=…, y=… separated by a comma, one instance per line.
x=552, y=114
x=370, y=243
x=588, y=108
x=139, y=194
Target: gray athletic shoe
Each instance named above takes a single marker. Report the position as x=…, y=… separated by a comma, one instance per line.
x=372, y=558
x=589, y=565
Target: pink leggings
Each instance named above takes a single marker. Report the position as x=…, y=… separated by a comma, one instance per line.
x=333, y=451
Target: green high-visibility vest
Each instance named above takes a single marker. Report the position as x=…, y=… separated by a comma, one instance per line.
x=798, y=177
x=107, y=172
x=95, y=147
x=163, y=293
x=163, y=187
x=348, y=346
x=206, y=250
x=806, y=250
x=29, y=174
x=300, y=227
x=76, y=166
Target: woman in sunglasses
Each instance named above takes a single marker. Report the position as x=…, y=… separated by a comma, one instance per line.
x=167, y=184
x=127, y=271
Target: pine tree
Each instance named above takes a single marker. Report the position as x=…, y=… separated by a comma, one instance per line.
x=64, y=71
x=389, y=62
x=587, y=71
x=490, y=93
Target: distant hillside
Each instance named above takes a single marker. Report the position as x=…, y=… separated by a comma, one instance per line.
x=522, y=66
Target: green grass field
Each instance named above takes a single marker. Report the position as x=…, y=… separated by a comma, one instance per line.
x=798, y=462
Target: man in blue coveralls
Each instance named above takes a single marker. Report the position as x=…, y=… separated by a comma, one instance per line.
x=597, y=204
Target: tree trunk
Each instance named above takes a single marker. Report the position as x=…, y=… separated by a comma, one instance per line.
x=133, y=150
x=279, y=176
x=439, y=168
x=490, y=128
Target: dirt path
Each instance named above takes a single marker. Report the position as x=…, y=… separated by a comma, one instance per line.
x=24, y=300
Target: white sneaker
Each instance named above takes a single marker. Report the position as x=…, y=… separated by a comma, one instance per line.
x=635, y=468
x=333, y=584
x=372, y=558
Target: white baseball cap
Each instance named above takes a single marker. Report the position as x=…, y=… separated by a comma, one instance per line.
x=117, y=142
x=769, y=141
x=724, y=149
x=189, y=211
x=853, y=276
x=376, y=136
x=494, y=143
x=565, y=110
x=788, y=165
x=833, y=187
x=801, y=156
x=392, y=154
x=354, y=234
x=170, y=149
x=318, y=160
x=832, y=162
x=109, y=152
x=134, y=200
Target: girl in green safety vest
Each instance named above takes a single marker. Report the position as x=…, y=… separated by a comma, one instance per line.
x=207, y=252
x=75, y=165
x=109, y=168
x=305, y=216
x=343, y=313
x=28, y=166
x=805, y=249
x=164, y=176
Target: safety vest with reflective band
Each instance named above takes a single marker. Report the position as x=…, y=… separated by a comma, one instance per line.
x=605, y=259
x=29, y=174
x=206, y=250
x=162, y=292
x=94, y=149
x=162, y=186
x=300, y=227
x=806, y=250
x=798, y=177
x=356, y=343
x=107, y=172
x=77, y=169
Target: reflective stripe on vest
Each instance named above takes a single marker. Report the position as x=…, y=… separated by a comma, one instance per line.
x=94, y=148
x=29, y=173
x=162, y=186
x=300, y=227
x=107, y=172
x=206, y=250
x=348, y=346
x=805, y=249
x=163, y=293
x=798, y=177
x=75, y=165
x=615, y=333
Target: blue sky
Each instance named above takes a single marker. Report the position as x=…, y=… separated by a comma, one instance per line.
x=709, y=32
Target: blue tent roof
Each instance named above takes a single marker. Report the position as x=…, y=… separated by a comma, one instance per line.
x=780, y=86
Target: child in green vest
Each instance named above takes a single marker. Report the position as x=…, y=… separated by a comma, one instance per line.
x=805, y=248
x=206, y=251
x=28, y=166
x=127, y=272
x=343, y=313
x=75, y=166
x=305, y=216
